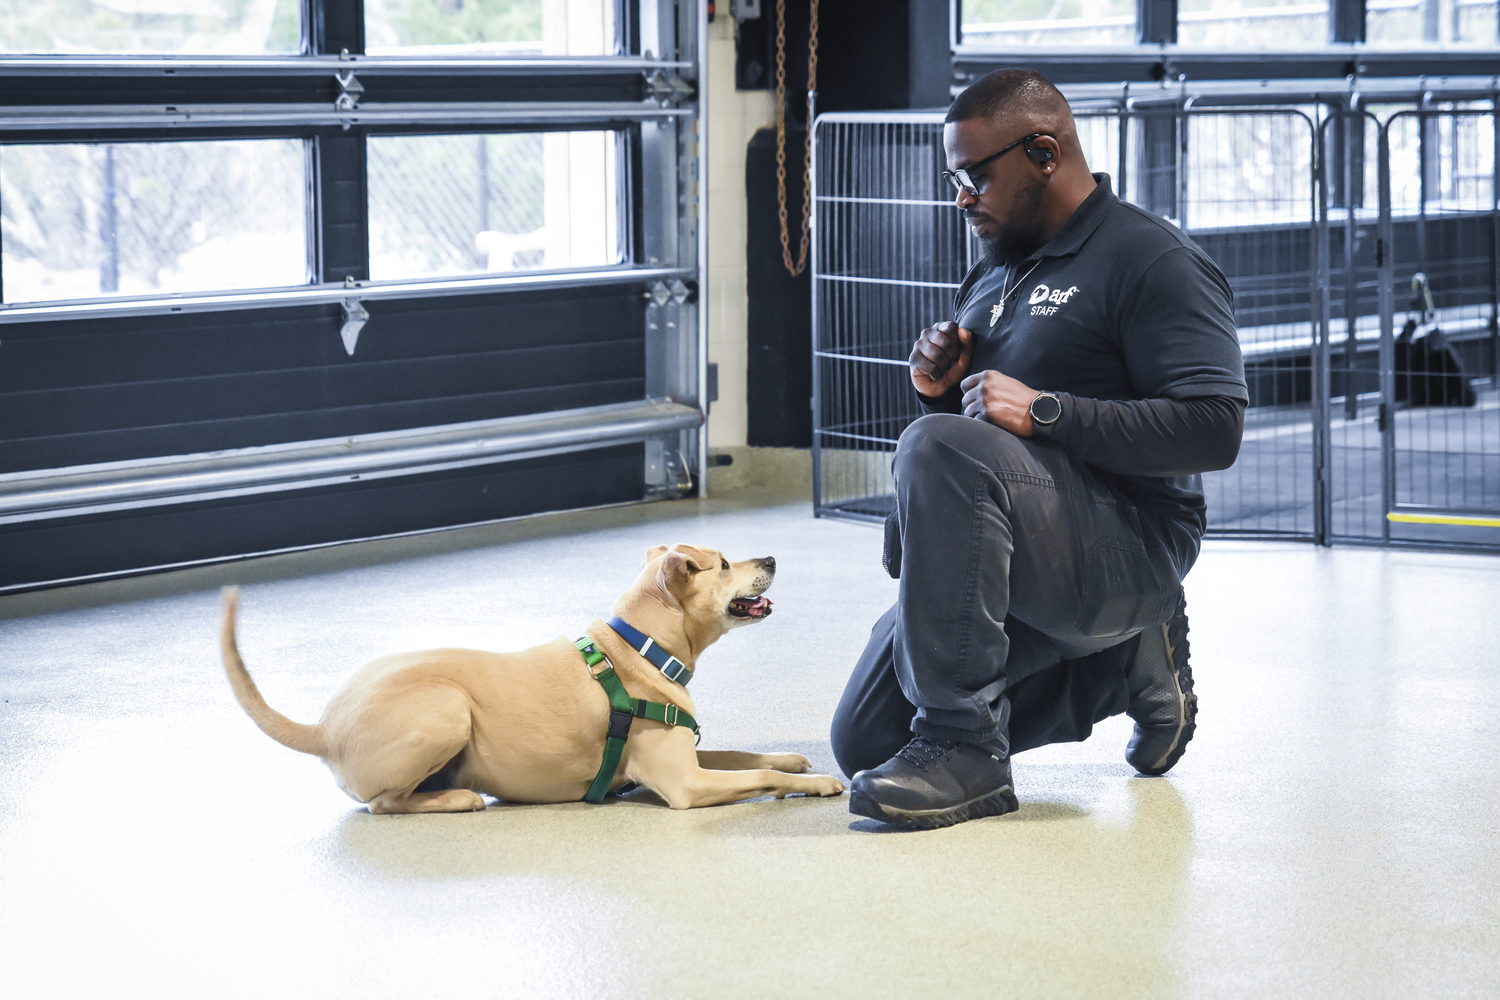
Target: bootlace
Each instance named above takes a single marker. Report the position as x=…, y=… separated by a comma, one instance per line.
x=922, y=751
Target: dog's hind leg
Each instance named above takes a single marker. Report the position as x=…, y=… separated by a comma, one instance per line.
x=451, y=801
x=390, y=751
x=435, y=793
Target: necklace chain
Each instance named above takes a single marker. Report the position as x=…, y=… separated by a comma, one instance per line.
x=1006, y=290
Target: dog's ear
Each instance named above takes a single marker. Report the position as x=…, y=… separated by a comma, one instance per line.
x=653, y=552
x=700, y=558
x=681, y=565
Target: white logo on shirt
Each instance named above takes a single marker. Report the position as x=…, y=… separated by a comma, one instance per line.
x=1055, y=296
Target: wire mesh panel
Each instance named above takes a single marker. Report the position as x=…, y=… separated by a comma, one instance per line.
x=1247, y=198
x=1443, y=342
x=890, y=251
x=1350, y=206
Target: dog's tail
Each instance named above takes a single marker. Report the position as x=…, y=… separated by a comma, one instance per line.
x=307, y=739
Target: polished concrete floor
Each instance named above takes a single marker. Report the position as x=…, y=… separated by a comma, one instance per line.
x=1330, y=833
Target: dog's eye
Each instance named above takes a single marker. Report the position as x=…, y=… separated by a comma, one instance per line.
x=723, y=563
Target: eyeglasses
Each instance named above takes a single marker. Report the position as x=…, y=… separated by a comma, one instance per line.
x=962, y=179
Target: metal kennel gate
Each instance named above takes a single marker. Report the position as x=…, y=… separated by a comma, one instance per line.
x=1284, y=199
x=1440, y=214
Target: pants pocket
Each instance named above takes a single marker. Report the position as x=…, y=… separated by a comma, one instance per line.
x=1125, y=590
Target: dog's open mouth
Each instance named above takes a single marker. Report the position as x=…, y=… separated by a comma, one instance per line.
x=750, y=607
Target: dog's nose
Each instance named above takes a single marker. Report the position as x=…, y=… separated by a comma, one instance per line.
x=770, y=563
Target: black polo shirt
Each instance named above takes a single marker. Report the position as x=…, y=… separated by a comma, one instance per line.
x=1119, y=305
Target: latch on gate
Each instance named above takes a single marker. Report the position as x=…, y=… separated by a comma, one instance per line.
x=350, y=91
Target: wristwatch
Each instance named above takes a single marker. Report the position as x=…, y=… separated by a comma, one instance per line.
x=1045, y=409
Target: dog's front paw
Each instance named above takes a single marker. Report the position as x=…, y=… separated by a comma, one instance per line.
x=824, y=784
x=791, y=763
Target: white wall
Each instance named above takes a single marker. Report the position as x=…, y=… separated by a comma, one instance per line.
x=733, y=117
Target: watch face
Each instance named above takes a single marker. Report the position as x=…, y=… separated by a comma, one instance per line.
x=1045, y=409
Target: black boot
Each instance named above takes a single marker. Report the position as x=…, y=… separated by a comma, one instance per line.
x=1162, y=701
x=933, y=783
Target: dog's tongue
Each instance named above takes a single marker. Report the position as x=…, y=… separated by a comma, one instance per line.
x=751, y=607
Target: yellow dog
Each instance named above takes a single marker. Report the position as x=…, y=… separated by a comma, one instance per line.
x=429, y=731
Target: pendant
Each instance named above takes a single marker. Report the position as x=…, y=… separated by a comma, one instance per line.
x=995, y=312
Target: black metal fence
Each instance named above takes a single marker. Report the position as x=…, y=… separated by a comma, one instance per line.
x=1361, y=244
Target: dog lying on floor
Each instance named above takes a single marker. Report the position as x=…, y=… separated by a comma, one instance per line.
x=428, y=731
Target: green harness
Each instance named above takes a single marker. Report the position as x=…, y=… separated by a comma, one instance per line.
x=623, y=710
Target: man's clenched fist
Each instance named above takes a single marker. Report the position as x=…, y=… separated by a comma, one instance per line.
x=940, y=358
x=1001, y=400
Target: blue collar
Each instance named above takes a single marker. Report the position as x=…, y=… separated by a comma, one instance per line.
x=670, y=666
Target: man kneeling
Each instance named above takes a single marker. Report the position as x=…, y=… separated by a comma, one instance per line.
x=1050, y=503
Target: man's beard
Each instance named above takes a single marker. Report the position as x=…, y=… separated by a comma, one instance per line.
x=1019, y=239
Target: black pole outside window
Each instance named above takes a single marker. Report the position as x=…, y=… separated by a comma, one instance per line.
x=340, y=188
x=1346, y=20
x=1156, y=21
x=338, y=26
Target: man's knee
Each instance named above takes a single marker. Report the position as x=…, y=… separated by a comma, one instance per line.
x=946, y=438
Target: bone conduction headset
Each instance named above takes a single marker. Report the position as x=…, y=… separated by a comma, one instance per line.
x=962, y=179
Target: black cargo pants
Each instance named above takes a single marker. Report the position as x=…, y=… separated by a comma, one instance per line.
x=1025, y=577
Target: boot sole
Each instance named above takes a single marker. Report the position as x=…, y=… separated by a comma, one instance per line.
x=997, y=803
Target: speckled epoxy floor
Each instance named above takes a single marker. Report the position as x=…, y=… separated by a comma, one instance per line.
x=1330, y=832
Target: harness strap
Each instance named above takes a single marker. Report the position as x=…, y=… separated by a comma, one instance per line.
x=623, y=710
x=671, y=666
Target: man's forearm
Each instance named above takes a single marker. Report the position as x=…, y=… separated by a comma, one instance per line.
x=1140, y=437
x=1151, y=437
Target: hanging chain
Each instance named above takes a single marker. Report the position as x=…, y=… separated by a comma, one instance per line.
x=812, y=89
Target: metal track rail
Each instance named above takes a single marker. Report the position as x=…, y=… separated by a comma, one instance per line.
x=93, y=489
x=51, y=118
x=304, y=295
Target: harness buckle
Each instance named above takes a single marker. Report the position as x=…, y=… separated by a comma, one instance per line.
x=669, y=715
x=619, y=724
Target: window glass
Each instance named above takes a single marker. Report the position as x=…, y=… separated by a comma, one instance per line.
x=471, y=204
x=132, y=218
x=202, y=27
x=1408, y=23
x=490, y=27
x=1442, y=164
x=1248, y=170
x=1049, y=22
x=1261, y=24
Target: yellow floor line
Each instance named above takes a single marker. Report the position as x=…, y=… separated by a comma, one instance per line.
x=1471, y=522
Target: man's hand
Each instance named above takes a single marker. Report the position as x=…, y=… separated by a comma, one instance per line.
x=940, y=357
x=1001, y=400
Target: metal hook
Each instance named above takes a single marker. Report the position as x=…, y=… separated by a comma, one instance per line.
x=355, y=318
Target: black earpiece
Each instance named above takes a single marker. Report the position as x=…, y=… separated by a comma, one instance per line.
x=1040, y=154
